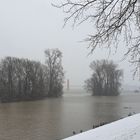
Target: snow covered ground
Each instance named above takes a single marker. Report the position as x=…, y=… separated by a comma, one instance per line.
x=124, y=129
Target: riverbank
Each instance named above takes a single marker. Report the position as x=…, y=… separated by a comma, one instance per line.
x=127, y=128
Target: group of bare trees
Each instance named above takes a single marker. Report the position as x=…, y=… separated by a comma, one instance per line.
x=22, y=79
x=105, y=79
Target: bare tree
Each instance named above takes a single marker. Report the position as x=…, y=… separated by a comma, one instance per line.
x=105, y=79
x=55, y=74
x=114, y=20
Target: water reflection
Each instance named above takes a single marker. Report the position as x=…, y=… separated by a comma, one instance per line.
x=58, y=118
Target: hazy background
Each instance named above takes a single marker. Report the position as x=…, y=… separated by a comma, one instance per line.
x=28, y=27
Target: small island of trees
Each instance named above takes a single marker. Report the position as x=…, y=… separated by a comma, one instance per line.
x=23, y=79
x=105, y=79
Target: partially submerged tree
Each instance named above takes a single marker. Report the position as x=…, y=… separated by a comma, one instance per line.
x=105, y=79
x=113, y=19
x=55, y=74
x=21, y=79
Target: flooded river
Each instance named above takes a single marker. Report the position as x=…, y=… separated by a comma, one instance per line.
x=52, y=119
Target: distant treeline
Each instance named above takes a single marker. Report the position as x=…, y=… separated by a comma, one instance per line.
x=22, y=79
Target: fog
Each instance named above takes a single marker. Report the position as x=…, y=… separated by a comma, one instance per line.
x=29, y=27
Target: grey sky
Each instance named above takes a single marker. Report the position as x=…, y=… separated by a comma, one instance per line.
x=28, y=27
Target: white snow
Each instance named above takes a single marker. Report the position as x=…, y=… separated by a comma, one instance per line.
x=124, y=129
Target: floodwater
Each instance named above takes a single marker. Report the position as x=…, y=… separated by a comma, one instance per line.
x=52, y=119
